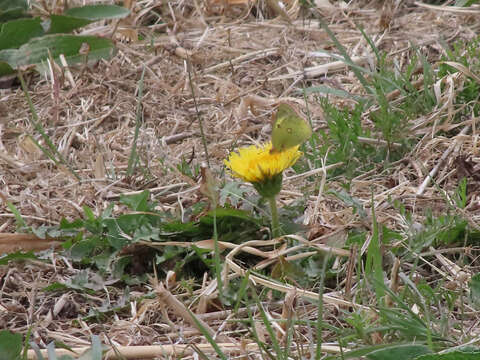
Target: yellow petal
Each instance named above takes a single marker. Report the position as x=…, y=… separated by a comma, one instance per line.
x=258, y=164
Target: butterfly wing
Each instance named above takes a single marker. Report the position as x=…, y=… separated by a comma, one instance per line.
x=289, y=129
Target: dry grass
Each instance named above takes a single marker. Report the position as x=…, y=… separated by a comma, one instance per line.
x=243, y=61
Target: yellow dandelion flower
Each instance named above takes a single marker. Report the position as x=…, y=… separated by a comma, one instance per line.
x=264, y=169
x=256, y=164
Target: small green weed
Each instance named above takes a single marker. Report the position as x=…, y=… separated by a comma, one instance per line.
x=342, y=142
x=390, y=115
x=108, y=242
x=189, y=168
x=468, y=55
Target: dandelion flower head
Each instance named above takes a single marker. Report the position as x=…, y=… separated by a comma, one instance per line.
x=256, y=164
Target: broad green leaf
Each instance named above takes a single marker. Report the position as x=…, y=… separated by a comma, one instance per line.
x=15, y=33
x=226, y=215
x=118, y=230
x=98, y=12
x=226, y=212
x=177, y=227
x=36, y=50
x=75, y=224
x=65, y=24
x=137, y=202
x=84, y=248
x=10, y=345
x=88, y=213
x=404, y=352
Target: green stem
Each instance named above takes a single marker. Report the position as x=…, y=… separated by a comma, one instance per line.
x=274, y=211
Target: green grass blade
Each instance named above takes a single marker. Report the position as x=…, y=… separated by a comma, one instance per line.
x=276, y=345
x=319, y=324
x=370, y=42
x=218, y=267
x=207, y=335
x=18, y=216
x=373, y=265
x=242, y=291
x=133, y=158
x=36, y=124
x=348, y=60
x=254, y=334
x=199, y=118
x=26, y=343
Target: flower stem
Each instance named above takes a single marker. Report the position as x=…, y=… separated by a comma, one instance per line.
x=274, y=211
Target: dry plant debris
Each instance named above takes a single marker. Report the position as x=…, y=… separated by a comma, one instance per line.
x=238, y=58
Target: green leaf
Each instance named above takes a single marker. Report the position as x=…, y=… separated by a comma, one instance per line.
x=177, y=227
x=373, y=266
x=88, y=213
x=86, y=279
x=233, y=191
x=18, y=216
x=75, y=224
x=65, y=24
x=85, y=248
x=61, y=345
x=17, y=256
x=10, y=345
x=350, y=201
x=37, y=49
x=56, y=286
x=404, y=352
x=227, y=212
x=98, y=12
x=137, y=202
x=15, y=33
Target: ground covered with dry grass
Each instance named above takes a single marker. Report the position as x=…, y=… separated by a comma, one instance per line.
x=213, y=74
